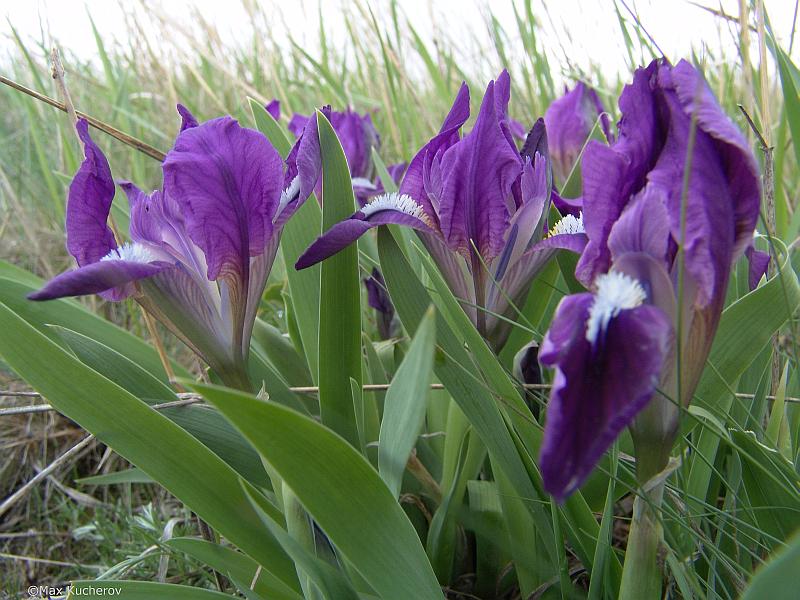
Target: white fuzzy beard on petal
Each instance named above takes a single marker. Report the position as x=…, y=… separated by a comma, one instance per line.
x=568, y=225
x=363, y=182
x=287, y=194
x=130, y=252
x=614, y=292
x=399, y=202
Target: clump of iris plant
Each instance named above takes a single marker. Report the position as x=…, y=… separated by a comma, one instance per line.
x=668, y=208
x=201, y=247
x=480, y=207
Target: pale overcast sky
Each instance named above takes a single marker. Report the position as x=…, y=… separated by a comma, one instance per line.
x=591, y=26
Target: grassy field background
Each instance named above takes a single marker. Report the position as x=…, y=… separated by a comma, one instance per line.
x=60, y=529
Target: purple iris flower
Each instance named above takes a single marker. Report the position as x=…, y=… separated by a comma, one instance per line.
x=614, y=349
x=378, y=299
x=273, y=107
x=479, y=206
x=358, y=137
x=200, y=248
x=570, y=121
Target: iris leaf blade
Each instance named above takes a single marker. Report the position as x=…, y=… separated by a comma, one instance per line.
x=340, y=295
x=235, y=565
x=72, y=315
x=189, y=470
x=404, y=406
x=143, y=590
x=207, y=426
x=746, y=327
x=339, y=489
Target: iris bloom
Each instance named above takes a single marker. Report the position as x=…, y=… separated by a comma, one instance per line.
x=358, y=137
x=570, y=121
x=200, y=248
x=480, y=207
x=614, y=349
x=379, y=300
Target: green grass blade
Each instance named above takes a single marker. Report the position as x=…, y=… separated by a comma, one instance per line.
x=331, y=583
x=774, y=579
x=773, y=488
x=745, y=329
x=132, y=475
x=267, y=125
x=71, y=315
x=209, y=427
x=411, y=301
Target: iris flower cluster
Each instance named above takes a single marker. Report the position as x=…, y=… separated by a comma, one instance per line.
x=480, y=206
x=668, y=205
x=202, y=246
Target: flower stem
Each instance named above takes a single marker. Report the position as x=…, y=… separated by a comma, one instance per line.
x=641, y=573
x=236, y=377
x=479, y=282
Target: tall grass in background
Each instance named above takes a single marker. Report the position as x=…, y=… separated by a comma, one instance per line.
x=384, y=66
x=742, y=514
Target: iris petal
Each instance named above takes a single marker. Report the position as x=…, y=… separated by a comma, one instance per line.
x=570, y=121
x=227, y=181
x=97, y=277
x=758, y=263
x=187, y=118
x=273, y=107
x=390, y=209
x=413, y=182
x=478, y=173
x=89, y=238
x=738, y=162
x=598, y=388
x=643, y=226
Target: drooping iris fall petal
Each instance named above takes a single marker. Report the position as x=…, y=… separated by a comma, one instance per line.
x=607, y=349
x=394, y=208
x=95, y=278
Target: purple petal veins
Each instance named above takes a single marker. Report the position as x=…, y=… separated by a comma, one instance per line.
x=633, y=208
x=201, y=248
x=479, y=206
